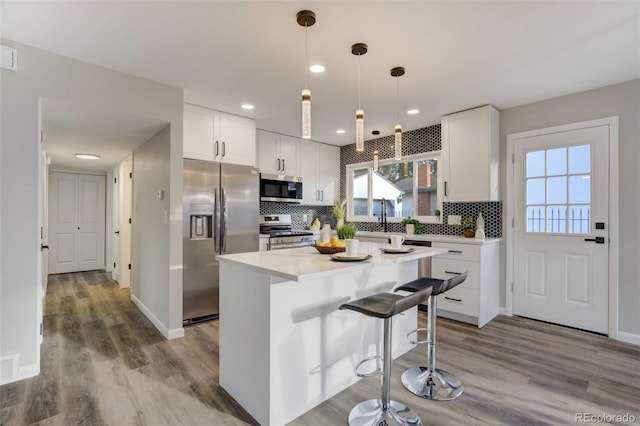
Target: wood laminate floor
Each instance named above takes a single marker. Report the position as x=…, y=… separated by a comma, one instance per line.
x=103, y=363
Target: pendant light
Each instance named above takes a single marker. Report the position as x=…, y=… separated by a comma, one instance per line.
x=359, y=49
x=306, y=18
x=398, y=72
x=376, y=155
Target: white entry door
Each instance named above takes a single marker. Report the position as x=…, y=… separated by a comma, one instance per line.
x=77, y=221
x=561, y=226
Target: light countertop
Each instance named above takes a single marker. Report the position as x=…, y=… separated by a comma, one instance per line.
x=430, y=237
x=305, y=263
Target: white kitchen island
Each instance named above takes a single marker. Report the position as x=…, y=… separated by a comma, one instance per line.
x=284, y=345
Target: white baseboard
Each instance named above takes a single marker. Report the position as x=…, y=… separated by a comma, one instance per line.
x=502, y=311
x=168, y=334
x=10, y=372
x=628, y=338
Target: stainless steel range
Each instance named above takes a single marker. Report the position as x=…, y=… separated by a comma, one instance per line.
x=281, y=236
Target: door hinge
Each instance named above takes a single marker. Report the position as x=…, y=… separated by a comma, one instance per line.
x=513, y=158
x=114, y=264
x=511, y=287
x=129, y=266
x=41, y=329
x=129, y=220
x=115, y=180
x=130, y=175
x=41, y=136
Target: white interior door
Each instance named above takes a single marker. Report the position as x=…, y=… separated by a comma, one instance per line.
x=117, y=208
x=77, y=221
x=125, y=215
x=561, y=227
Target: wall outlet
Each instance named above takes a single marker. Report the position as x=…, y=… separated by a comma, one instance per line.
x=454, y=219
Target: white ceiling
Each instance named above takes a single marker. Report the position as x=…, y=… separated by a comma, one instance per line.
x=457, y=54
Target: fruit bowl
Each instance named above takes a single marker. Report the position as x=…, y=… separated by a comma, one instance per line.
x=329, y=249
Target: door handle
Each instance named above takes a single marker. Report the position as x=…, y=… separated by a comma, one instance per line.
x=451, y=298
x=278, y=167
x=216, y=148
x=223, y=219
x=445, y=188
x=216, y=221
x=321, y=195
x=224, y=148
x=44, y=246
x=453, y=273
x=116, y=232
x=283, y=164
x=597, y=240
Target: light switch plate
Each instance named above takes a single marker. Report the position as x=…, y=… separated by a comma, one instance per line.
x=454, y=219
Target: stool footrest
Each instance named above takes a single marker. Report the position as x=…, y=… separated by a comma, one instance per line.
x=377, y=372
x=418, y=342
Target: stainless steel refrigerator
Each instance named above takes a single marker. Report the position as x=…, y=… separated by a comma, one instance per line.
x=220, y=216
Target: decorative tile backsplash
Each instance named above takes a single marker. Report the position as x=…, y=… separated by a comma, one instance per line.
x=416, y=141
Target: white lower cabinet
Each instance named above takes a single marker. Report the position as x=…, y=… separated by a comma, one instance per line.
x=477, y=299
x=264, y=243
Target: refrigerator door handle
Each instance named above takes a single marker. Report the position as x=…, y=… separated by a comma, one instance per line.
x=216, y=221
x=223, y=225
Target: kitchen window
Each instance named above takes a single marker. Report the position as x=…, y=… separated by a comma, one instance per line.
x=408, y=187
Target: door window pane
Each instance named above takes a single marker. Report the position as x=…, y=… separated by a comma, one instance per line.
x=427, y=197
x=580, y=219
x=360, y=192
x=556, y=219
x=579, y=189
x=535, y=163
x=535, y=219
x=557, y=190
x=535, y=191
x=557, y=161
x=580, y=159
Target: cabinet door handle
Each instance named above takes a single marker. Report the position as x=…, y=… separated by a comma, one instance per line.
x=445, y=188
x=224, y=148
x=453, y=273
x=321, y=195
x=278, y=166
x=283, y=165
x=216, y=148
x=317, y=195
x=451, y=298
x=455, y=251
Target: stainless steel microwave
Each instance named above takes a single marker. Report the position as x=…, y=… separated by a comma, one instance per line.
x=279, y=188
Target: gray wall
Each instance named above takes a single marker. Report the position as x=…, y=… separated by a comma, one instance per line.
x=621, y=100
x=150, y=232
x=44, y=74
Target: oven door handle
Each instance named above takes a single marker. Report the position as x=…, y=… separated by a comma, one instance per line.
x=286, y=246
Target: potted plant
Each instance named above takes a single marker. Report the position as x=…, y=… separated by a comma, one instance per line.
x=346, y=231
x=468, y=227
x=339, y=210
x=412, y=225
x=437, y=213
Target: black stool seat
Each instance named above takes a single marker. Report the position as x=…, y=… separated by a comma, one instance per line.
x=430, y=382
x=384, y=411
x=386, y=305
x=439, y=286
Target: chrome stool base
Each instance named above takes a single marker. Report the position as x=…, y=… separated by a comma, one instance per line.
x=370, y=413
x=438, y=385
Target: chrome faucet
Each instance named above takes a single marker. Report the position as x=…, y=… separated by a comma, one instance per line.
x=383, y=214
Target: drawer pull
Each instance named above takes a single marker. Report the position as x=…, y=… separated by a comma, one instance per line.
x=453, y=273
x=455, y=251
x=451, y=298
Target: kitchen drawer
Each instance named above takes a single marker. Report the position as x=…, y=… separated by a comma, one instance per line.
x=444, y=268
x=460, y=300
x=459, y=251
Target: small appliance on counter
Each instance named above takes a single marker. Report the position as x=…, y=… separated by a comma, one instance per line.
x=281, y=234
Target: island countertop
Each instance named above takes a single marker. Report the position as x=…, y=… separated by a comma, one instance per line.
x=305, y=263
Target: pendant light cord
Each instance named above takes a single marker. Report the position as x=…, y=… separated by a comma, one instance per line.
x=306, y=56
x=398, y=99
x=359, y=106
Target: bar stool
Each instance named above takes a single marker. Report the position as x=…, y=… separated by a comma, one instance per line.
x=431, y=382
x=384, y=411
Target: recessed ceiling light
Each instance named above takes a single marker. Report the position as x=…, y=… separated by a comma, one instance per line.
x=341, y=131
x=413, y=111
x=316, y=68
x=88, y=156
x=247, y=106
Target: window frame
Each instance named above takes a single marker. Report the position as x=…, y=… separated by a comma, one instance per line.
x=350, y=168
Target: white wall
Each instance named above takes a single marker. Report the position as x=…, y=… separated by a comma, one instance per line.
x=150, y=287
x=44, y=74
x=621, y=100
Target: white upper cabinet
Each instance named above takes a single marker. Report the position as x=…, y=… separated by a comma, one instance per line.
x=320, y=170
x=278, y=154
x=470, y=155
x=216, y=136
